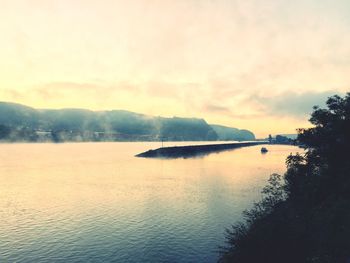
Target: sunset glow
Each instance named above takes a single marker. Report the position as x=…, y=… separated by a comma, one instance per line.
x=259, y=65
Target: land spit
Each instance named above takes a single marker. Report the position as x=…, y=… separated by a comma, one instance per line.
x=194, y=150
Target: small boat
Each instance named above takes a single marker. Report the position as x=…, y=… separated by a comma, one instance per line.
x=264, y=150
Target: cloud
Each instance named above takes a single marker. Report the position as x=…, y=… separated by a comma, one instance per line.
x=235, y=113
x=216, y=108
x=72, y=94
x=230, y=60
x=298, y=105
x=259, y=106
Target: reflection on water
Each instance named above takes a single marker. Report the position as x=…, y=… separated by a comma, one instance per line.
x=96, y=202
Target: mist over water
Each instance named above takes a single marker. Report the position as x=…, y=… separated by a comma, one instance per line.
x=96, y=202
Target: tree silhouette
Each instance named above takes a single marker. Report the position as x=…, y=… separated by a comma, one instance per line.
x=304, y=216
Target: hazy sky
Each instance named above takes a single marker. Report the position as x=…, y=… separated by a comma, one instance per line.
x=251, y=64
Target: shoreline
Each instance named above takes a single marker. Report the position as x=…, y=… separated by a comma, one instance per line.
x=194, y=150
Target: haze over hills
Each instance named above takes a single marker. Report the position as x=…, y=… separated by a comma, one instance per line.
x=228, y=133
x=23, y=123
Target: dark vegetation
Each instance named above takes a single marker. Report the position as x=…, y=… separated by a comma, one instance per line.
x=281, y=139
x=193, y=150
x=21, y=123
x=304, y=216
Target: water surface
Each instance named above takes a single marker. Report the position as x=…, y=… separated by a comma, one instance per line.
x=96, y=202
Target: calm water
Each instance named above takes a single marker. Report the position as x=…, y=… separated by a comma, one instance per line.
x=95, y=202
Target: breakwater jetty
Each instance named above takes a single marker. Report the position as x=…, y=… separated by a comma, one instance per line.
x=194, y=150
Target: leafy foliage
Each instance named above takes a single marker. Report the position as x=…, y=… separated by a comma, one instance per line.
x=304, y=216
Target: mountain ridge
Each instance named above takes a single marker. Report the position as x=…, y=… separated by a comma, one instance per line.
x=23, y=123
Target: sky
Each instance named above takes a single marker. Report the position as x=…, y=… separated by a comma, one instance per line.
x=259, y=65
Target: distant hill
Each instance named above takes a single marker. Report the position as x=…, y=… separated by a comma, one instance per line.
x=22, y=123
x=232, y=134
